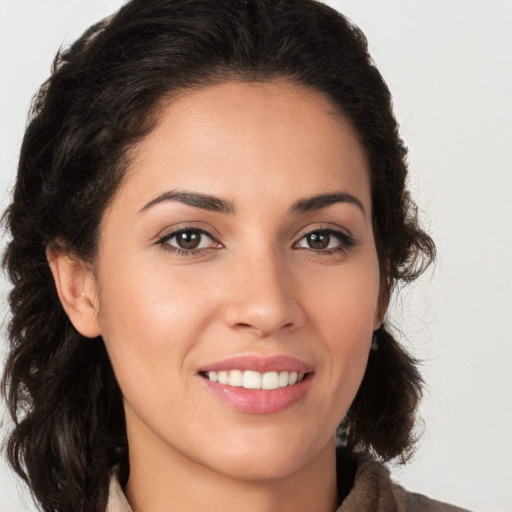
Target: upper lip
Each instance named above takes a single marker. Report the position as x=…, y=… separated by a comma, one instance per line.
x=259, y=364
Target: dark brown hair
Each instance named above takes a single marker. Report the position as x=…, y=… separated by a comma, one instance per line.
x=99, y=101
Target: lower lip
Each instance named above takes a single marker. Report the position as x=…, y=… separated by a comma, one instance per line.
x=260, y=401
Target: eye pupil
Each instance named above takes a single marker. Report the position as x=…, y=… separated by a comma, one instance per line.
x=188, y=239
x=318, y=240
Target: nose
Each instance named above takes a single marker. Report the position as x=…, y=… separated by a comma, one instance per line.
x=263, y=297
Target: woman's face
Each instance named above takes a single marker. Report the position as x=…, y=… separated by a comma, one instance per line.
x=239, y=253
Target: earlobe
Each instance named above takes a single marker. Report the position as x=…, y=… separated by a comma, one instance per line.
x=76, y=288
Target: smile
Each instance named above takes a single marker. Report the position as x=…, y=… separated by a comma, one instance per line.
x=258, y=385
x=250, y=379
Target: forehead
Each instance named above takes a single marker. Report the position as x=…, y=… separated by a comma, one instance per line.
x=260, y=138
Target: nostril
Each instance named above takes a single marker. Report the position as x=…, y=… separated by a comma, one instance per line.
x=262, y=314
x=263, y=329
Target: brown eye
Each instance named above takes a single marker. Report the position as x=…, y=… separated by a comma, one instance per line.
x=188, y=240
x=326, y=240
x=318, y=240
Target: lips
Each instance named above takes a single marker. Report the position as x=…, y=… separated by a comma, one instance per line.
x=259, y=364
x=258, y=385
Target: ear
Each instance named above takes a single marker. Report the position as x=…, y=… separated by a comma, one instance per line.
x=383, y=303
x=76, y=288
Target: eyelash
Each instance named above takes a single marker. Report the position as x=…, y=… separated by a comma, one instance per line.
x=346, y=241
x=163, y=241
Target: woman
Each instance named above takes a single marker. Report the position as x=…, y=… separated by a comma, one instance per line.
x=209, y=218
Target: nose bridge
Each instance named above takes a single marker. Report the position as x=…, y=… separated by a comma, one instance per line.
x=262, y=294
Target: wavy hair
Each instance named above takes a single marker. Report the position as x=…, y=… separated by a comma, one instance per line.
x=103, y=97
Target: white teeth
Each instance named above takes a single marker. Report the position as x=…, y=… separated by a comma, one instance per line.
x=282, y=381
x=270, y=380
x=254, y=380
x=236, y=378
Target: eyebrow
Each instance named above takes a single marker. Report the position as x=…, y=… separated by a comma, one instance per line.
x=323, y=200
x=203, y=201
x=215, y=204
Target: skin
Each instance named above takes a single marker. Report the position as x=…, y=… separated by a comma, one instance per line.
x=256, y=287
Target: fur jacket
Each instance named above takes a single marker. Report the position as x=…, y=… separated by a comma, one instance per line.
x=372, y=490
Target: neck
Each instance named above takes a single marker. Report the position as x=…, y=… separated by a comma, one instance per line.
x=163, y=479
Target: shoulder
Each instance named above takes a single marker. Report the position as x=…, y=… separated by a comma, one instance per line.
x=373, y=489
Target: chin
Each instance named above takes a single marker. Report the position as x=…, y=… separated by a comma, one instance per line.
x=258, y=468
x=271, y=459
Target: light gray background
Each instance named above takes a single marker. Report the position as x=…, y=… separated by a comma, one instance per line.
x=449, y=66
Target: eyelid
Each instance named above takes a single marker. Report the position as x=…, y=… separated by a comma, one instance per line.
x=187, y=226
x=347, y=240
x=168, y=234
x=323, y=226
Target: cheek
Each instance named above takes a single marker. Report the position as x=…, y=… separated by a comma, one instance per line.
x=345, y=313
x=150, y=322
x=346, y=301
